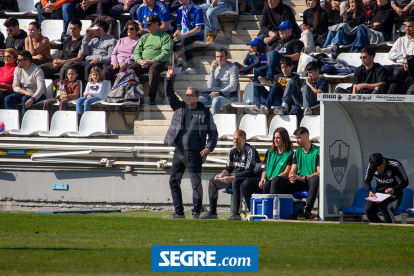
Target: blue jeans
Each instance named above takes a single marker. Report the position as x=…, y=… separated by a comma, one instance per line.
x=65, y=13
x=215, y=103
x=263, y=97
x=249, y=2
x=272, y=69
x=210, y=15
x=339, y=37
x=86, y=103
x=16, y=98
x=362, y=38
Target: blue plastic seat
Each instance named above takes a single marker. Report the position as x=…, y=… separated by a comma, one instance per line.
x=300, y=194
x=357, y=207
x=406, y=202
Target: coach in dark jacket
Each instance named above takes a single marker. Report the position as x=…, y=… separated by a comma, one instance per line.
x=190, y=124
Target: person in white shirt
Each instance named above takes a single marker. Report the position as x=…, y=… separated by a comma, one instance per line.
x=404, y=46
x=94, y=91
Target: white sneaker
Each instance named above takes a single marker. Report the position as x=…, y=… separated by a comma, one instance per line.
x=331, y=48
x=251, y=109
x=191, y=71
x=264, y=110
x=307, y=111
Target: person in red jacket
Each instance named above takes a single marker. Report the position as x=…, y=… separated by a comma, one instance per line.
x=56, y=9
x=7, y=74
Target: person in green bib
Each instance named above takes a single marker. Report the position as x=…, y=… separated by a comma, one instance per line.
x=304, y=174
x=277, y=162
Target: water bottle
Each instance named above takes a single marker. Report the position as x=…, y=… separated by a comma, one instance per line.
x=276, y=207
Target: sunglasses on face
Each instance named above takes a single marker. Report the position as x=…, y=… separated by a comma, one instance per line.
x=9, y=30
x=131, y=29
x=20, y=60
x=363, y=57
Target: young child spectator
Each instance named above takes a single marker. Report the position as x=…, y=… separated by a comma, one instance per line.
x=263, y=99
x=93, y=92
x=307, y=95
x=354, y=16
x=254, y=59
x=37, y=44
x=69, y=90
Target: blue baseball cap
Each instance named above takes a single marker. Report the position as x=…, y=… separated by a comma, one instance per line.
x=255, y=41
x=285, y=25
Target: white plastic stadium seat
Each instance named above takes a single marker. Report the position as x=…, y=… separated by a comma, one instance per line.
x=254, y=125
x=313, y=124
x=33, y=122
x=25, y=7
x=247, y=96
x=62, y=122
x=353, y=59
x=11, y=119
x=226, y=125
x=49, y=91
x=92, y=123
x=54, y=53
x=53, y=30
x=2, y=27
x=289, y=122
x=344, y=85
x=382, y=58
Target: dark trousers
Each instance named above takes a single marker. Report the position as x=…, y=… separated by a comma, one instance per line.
x=187, y=46
x=79, y=13
x=3, y=94
x=250, y=186
x=49, y=70
x=270, y=70
x=109, y=72
x=396, y=88
x=83, y=68
x=282, y=185
x=266, y=98
x=114, y=9
x=215, y=185
x=16, y=98
x=154, y=72
x=382, y=89
x=386, y=208
x=62, y=104
x=193, y=161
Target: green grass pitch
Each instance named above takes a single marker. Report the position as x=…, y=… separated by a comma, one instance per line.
x=120, y=244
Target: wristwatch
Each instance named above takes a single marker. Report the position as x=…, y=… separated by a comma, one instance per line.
x=33, y=98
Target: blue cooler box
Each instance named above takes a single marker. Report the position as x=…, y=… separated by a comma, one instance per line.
x=261, y=206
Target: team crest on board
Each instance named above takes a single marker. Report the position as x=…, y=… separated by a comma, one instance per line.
x=338, y=155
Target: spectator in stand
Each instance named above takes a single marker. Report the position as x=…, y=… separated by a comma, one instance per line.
x=254, y=59
x=273, y=16
x=151, y=54
x=369, y=78
x=123, y=54
x=37, y=44
x=222, y=83
x=277, y=162
x=403, y=8
x=402, y=82
x=354, y=16
x=334, y=8
x=285, y=46
x=15, y=38
x=28, y=83
x=190, y=28
x=377, y=28
x=404, y=46
x=211, y=11
x=85, y=7
x=304, y=174
x=61, y=9
x=263, y=100
x=7, y=74
x=69, y=53
x=114, y=8
x=2, y=40
x=315, y=26
x=307, y=95
x=94, y=91
x=97, y=46
x=69, y=90
x=153, y=7
x=242, y=159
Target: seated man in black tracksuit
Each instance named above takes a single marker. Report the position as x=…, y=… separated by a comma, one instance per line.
x=242, y=160
x=391, y=179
